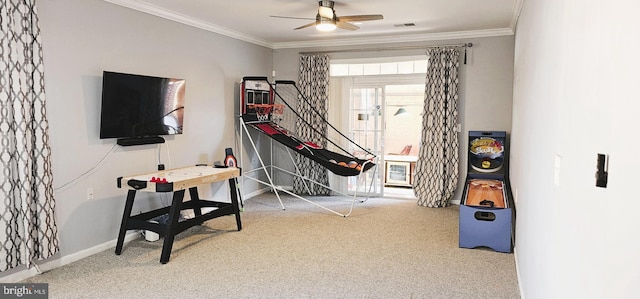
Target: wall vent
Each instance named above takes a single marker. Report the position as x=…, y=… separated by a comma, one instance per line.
x=404, y=25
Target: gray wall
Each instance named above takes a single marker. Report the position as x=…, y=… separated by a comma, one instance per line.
x=84, y=37
x=575, y=95
x=485, y=81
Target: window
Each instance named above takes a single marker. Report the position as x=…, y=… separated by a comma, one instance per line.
x=410, y=65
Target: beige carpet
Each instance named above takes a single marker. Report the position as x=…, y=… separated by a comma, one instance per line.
x=388, y=248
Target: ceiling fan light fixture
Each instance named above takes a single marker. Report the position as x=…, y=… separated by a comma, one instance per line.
x=325, y=12
x=327, y=20
x=324, y=24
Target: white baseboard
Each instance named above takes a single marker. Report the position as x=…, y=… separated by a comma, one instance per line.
x=515, y=256
x=65, y=260
x=255, y=193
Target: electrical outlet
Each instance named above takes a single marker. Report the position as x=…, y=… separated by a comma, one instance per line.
x=90, y=193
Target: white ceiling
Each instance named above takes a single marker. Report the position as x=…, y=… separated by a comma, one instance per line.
x=251, y=21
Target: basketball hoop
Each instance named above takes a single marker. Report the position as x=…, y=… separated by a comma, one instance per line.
x=263, y=111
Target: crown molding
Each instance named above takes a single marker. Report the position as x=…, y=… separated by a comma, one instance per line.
x=395, y=39
x=145, y=7
x=190, y=21
x=517, y=8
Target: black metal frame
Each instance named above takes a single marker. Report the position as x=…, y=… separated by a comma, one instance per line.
x=174, y=226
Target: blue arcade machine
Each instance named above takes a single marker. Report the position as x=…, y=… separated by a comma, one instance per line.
x=486, y=208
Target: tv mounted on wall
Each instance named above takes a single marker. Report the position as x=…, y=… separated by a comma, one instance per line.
x=138, y=109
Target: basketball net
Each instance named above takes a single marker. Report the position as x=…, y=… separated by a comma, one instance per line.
x=263, y=111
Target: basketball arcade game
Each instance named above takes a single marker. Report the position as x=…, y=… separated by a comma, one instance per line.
x=486, y=210
x=262, y=108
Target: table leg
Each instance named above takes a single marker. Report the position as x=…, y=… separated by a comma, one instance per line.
x=197, y=209
x=234, y=201
x=125, y=217
x=172, y=226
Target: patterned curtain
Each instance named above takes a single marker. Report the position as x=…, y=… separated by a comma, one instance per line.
x=437, y=167
x=28, y=230
x=314, y=85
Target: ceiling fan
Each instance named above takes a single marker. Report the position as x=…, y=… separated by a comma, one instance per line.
x=327, y=20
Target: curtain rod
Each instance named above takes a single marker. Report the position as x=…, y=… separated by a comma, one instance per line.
x=465, y=45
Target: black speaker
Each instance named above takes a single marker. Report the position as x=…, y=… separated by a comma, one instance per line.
x=140, y=140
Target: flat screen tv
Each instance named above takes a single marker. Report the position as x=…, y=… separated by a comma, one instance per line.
x=138, y=106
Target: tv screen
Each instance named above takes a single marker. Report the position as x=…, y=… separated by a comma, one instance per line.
x=140, y=106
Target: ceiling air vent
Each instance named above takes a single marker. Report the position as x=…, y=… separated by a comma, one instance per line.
x=404, y=25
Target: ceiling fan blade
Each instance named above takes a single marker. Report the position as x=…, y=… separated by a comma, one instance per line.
x=360, y=18
x=305, y=26
x=347, y=26
x=297, y=18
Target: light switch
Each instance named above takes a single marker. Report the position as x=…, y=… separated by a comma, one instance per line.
x=602, y=171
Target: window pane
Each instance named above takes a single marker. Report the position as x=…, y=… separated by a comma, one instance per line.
x=405, y=67
x=420, y=66
x=372, y=69
x=389, y=68
x=384, y=68
x=355, y=70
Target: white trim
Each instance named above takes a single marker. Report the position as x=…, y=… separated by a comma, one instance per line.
x=66, y=259
x=256, y=193
x=515, y=256
x=517, y=8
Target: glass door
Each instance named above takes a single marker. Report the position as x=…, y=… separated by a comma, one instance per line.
x=365, y=129
x=385, y=118
x=382, y=114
